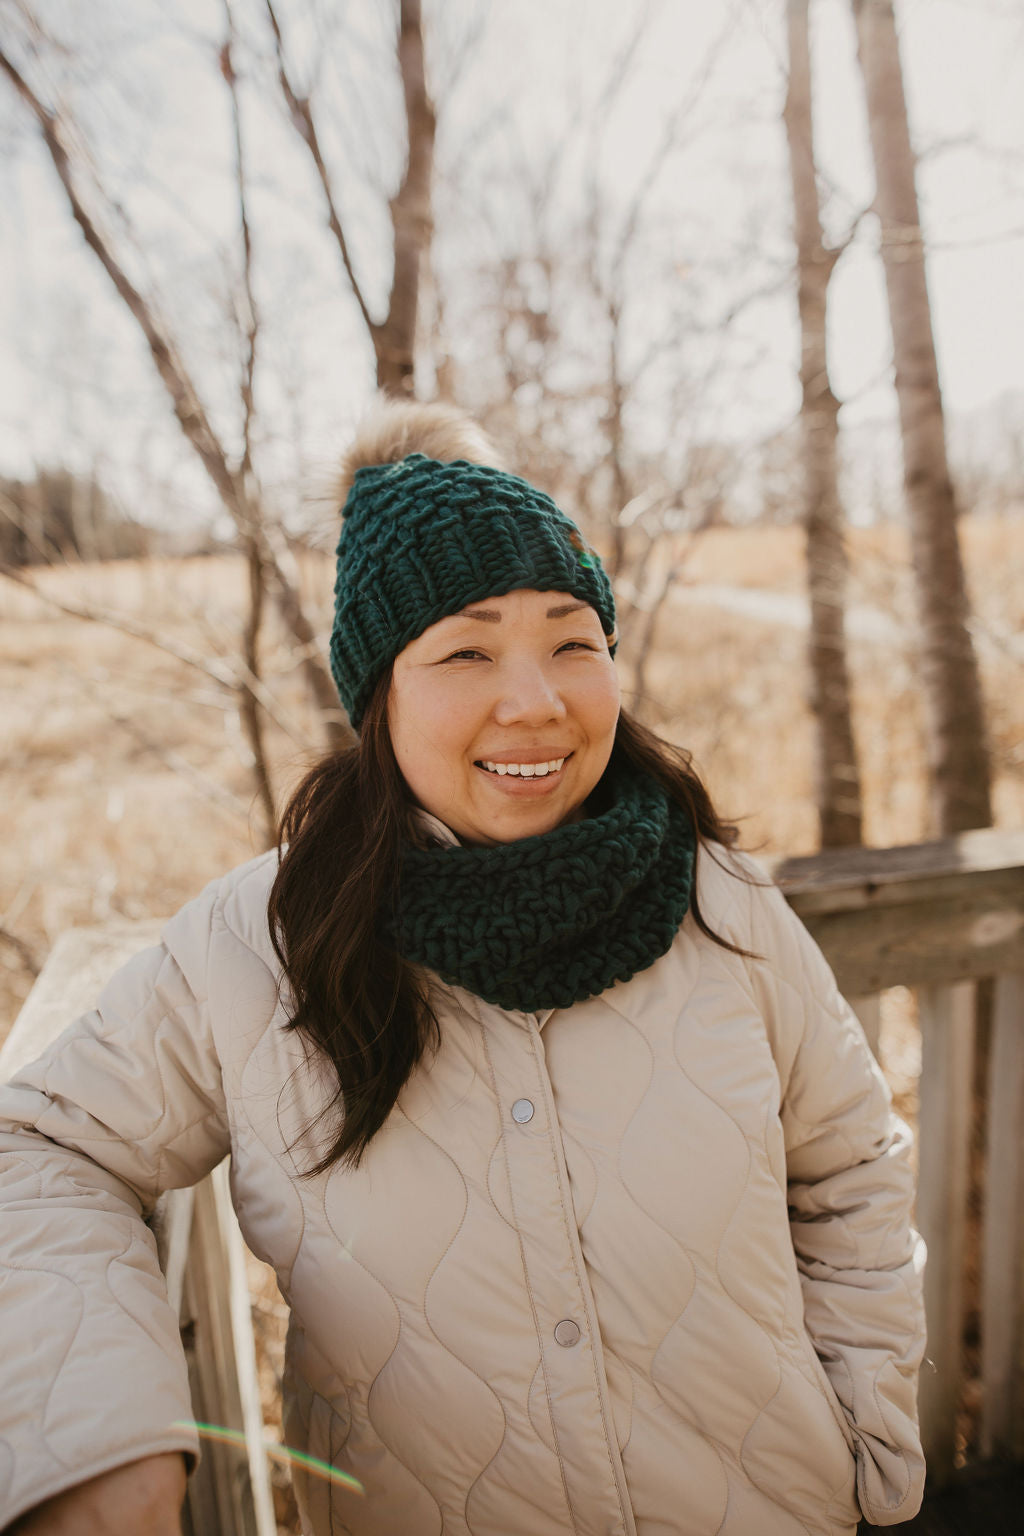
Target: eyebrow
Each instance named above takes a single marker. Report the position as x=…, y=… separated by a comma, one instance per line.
x=492, y=615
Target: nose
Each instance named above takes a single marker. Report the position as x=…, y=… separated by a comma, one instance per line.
x=528, y=696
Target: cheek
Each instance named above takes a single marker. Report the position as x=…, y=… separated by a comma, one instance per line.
x=600, y=703
x=428, y=732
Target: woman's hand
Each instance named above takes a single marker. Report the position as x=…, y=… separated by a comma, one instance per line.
x=142, y=1498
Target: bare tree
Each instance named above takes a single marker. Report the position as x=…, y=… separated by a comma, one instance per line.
x=838, y=776
x=232, y=481
x=394, y=336
x=249, y=325
x=960, y=769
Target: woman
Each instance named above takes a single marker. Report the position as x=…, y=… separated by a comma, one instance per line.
x=577, y=1175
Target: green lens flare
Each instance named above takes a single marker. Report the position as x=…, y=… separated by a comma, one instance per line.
x=283, y=1453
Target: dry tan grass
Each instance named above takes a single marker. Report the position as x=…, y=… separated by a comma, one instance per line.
x=127, y=785
x=734, y=689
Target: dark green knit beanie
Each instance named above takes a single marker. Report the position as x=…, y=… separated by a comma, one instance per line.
x=421, y=539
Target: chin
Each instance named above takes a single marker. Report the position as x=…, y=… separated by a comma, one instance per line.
x=535, y=826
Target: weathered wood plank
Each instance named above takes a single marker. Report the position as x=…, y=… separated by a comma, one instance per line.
x=922, y=915
x=244, y=1344
x=947, y=1027
x=1002, y=1430
x=172, y=1224
x=932, y=943
x=76, y=970
x=846, y=877
x=219, y=1499
x=869, y=1012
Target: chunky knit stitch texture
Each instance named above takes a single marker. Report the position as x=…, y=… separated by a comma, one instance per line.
x=547, y=921
x=421, y=539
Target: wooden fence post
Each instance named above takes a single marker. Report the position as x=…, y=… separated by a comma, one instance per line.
x=869, y=1011
x=1002, y=1300
x=947, y=1054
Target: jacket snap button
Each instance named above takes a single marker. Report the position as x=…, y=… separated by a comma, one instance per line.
x=567, y=1333
x=522, y=1110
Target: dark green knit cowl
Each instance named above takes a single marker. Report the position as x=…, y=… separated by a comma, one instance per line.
x=547, y=921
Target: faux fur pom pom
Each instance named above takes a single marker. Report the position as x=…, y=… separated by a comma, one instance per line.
x=392, y=429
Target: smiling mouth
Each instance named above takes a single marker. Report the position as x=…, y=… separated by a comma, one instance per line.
x=523, y=770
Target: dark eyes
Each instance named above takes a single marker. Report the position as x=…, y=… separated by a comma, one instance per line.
x=471, y=655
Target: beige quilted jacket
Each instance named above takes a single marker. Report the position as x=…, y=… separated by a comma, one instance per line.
x=643, y=1265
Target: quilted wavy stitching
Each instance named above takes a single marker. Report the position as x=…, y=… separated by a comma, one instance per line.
x=65, y=1351
x=256, y=1148
x=477, y=1011
x=444, y=1345
x=727, y=1290
x=560, y=1175
x=136, y=1240
x=638, y=1200
x=689, y=1257
x=622, y=1138
x=388, y=1364
x=499, y=1196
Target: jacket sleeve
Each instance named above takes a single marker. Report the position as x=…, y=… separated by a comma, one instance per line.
x=126, y=1103
x=850, y=1192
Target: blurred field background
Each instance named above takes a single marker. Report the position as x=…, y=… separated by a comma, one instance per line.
x=126, y=777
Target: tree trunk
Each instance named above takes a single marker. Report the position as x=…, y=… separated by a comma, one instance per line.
x=411, y=218
x=957, y=745
x=394, y=337
x=838, y=778
x=248, y=703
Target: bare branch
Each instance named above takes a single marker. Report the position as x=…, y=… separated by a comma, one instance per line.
x=301, y=113
x=249, y=708
x=208, y=787
x=652, y=615
x=248, y=704
x=672, y=136
x=835, y=251
x=228, y=675
x=172, y=371
x=12, y=513
x=251, y=315
x=191, y=416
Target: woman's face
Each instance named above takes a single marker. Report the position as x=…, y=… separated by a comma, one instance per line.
x=502, y=717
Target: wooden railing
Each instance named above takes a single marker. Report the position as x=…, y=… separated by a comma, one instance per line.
x=941, y=917
x=938, y=917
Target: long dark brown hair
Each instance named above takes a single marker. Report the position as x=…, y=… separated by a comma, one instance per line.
x=355, y=999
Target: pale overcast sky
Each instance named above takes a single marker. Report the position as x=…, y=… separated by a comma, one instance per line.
x=76, y=382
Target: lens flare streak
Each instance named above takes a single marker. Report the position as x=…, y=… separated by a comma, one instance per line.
x=276, y=1452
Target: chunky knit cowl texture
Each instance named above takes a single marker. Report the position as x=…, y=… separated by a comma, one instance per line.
x=547, y=921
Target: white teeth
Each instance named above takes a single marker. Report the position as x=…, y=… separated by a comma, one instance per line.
x=525, y=770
